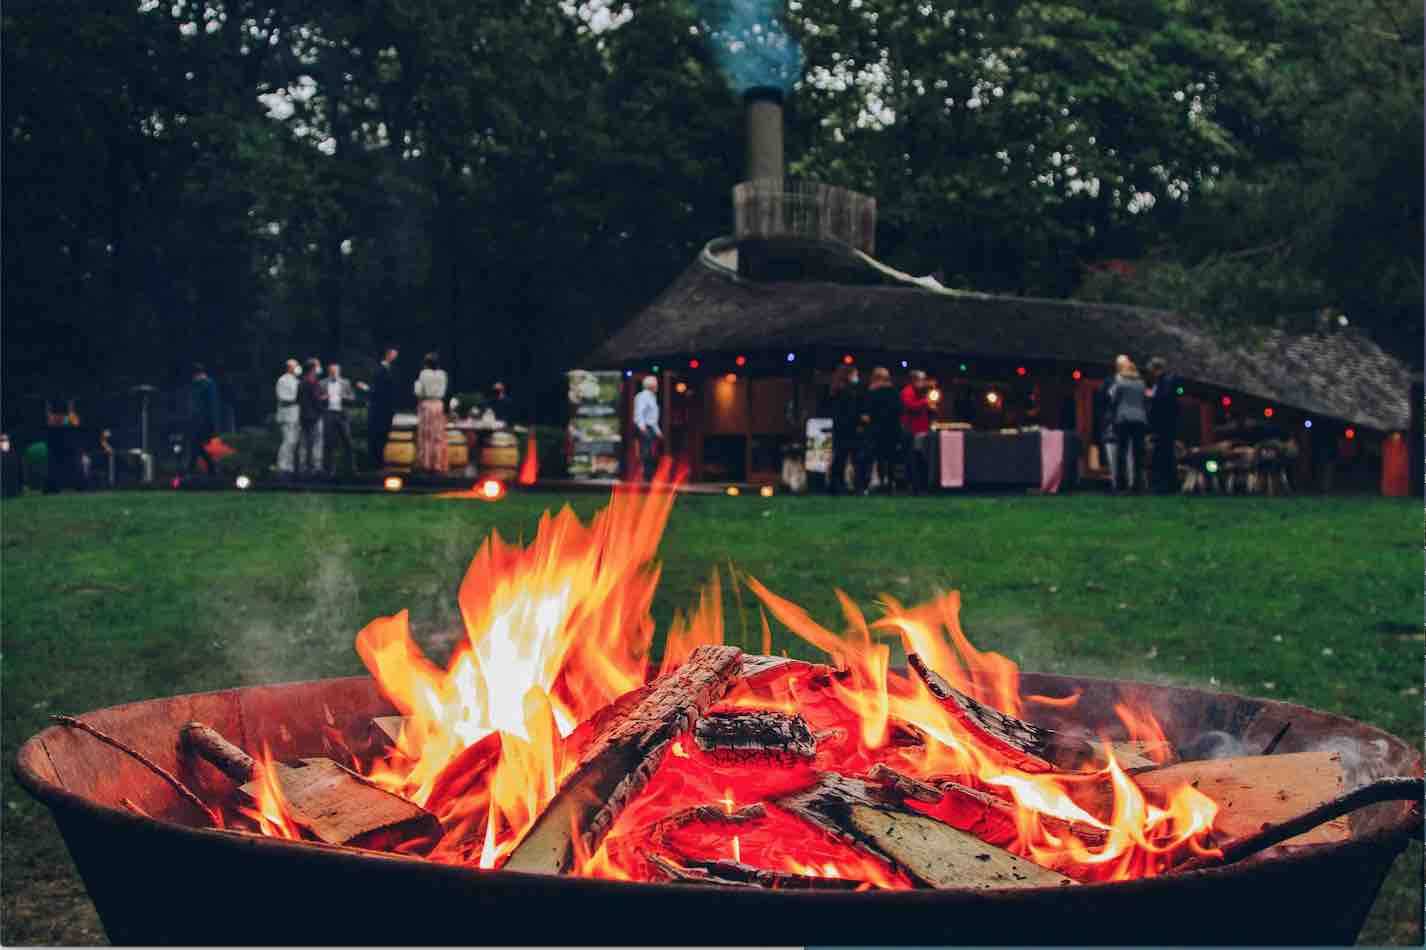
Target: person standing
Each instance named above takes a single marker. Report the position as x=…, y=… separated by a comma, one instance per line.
x=381, y=409
x=1127, y=407
x=202, y=419
x=1104, y=435
x=288, y=422
x=309, y=418
x=646, y=421
x=916, y=425
x=883, y=411
x=338, y=393
x=846, y=411
x=431, y=417
x=501, y=405
x=1163, y=424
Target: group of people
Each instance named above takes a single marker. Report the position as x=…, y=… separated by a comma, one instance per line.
x=1127, y=408
x=874, y=425
x=312, y=415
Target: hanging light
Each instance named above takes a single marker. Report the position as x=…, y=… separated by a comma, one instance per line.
x=656, y=367
x=732, y=491
x=964, y=367
x=1306, y=423
x=1211, y=467
x=392, y=483
x=1178, y=391
x=792, y=357
x=741, y=361
x=1020, y=371
x=680, y=387
x=904, y=364
x=1076, y=376
x=992, y=398
x=243, y=483
x=1350, y=433
x=1227, y=401
x=1268, y=412
x=848, y=359
x=765, y=491
x=694, y=364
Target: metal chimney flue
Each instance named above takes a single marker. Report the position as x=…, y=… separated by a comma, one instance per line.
x=763, y=110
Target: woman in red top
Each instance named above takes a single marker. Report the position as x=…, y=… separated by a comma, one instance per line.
x=916, y=408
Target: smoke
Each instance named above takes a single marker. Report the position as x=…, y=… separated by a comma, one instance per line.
x=750, y=44
x=1362, y=761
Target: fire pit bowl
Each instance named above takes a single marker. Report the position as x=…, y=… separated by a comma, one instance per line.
x=167, y=879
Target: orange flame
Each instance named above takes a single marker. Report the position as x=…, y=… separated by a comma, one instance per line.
x=558, y=630
x=530, y=464
x=271, y=812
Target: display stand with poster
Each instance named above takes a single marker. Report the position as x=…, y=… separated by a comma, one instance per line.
x=595, y=439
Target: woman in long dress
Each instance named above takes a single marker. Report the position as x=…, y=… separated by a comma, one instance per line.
x=431, y=417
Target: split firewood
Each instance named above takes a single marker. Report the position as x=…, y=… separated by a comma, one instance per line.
x=618, y=764
x=743, y=737
x=931, y=852
x=1395, y=788
x=386, y=730
x=1251, y=792
x=738, y=872
x=989, y=817
x=1134, y=755
x=327, y=800
x=678, y=874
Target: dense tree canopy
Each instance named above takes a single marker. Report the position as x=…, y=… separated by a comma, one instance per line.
x=236, y=182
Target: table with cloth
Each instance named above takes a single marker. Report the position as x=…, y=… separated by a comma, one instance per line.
x=1045, y=459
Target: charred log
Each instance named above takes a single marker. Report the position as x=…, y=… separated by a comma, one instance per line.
x=618, y=764
x=743, y=737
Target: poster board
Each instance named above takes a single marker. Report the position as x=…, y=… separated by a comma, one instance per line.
x=595, y=430
x=819, y=446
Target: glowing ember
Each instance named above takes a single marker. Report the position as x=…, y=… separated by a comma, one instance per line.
x=557, y=631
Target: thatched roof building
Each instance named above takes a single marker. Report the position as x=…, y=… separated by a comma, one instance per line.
x=868, y=307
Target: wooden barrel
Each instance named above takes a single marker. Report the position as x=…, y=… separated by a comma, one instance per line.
x=457, y=450
x=400, y=452
x=499, y=456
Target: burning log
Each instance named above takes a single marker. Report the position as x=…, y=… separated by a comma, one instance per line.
x=932, y=853
x=988, y=817
x=1252, y=792
x=331, y=802
x=1029, y=747
x=679, y=874
x=737, y=872
x=741, y=737
x=618, y=764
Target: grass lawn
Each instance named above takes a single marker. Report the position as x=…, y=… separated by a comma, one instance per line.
x=120, y=597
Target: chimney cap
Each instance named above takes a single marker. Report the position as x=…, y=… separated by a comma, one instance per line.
x=764, y=93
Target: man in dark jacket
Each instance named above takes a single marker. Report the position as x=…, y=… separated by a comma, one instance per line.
x=203, y=418
x=381, y=409
x=310, y=405
x=1163, y=424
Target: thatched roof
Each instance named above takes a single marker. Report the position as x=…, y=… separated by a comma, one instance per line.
x=710, y=309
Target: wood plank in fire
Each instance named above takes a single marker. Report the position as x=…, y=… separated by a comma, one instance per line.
x=929, y=851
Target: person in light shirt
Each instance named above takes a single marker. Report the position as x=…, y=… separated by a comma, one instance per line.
x=287, y=418
x=646, y=420
x=336, y=427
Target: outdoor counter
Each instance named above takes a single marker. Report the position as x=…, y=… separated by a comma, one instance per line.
x=1047, y=459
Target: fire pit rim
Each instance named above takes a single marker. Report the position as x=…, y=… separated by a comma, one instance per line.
x=1398, y=831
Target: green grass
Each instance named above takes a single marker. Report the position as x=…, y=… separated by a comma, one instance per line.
x=120, y=597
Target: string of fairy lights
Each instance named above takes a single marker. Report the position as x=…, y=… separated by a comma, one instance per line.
x=728, y=369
